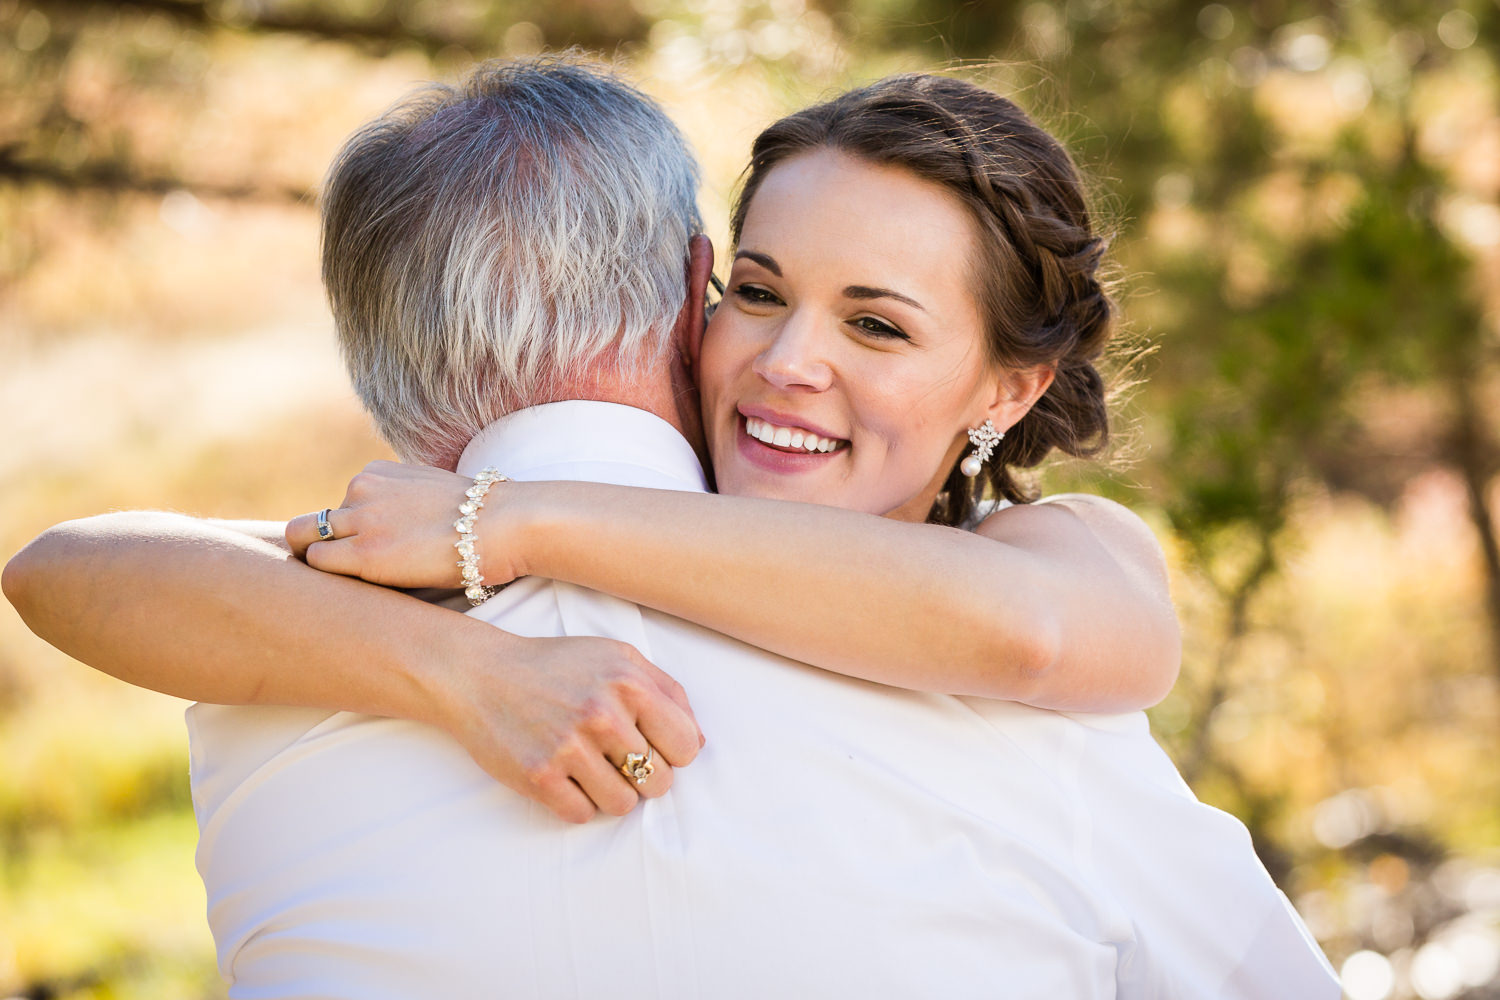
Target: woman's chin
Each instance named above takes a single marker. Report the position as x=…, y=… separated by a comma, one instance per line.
x=741, y=480
x=762, y=488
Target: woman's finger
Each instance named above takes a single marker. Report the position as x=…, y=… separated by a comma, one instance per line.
x=670, y=687
x=565, y=799
x=659, y=777
x=670, y=729
x=602, y=781
x=662, y=713
x=339, y=556
x=303, y=530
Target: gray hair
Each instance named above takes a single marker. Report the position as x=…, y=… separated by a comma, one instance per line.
x=484, y=244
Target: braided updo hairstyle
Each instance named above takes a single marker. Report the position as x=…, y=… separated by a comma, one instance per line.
x=1037, y=277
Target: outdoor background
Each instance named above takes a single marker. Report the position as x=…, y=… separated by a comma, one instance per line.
x=1305, y=196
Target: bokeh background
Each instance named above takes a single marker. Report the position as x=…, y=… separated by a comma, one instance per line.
x=1305, y=196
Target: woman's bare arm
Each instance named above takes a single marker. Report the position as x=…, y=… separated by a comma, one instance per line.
x=1061, y=605
x=211, y=612
x=218, y=612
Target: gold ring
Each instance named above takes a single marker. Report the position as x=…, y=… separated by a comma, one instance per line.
x=638, y=766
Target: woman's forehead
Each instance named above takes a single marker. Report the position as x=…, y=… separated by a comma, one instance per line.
x=837, y=181
x=862, y=222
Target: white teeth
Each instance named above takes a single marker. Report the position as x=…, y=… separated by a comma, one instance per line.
x=786, y=437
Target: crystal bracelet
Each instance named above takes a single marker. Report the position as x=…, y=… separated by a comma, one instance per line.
x=474, y=588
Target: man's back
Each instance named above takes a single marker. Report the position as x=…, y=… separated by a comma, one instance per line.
x=834, y=837
x=825, y=842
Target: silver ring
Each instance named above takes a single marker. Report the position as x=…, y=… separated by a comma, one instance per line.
x=638, y=766
x=325, y=530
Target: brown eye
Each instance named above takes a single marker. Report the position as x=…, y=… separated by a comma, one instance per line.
x=756, y=295
x=879, y=328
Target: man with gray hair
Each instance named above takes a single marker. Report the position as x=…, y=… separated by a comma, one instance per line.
x=489, y=247
x=517, y=283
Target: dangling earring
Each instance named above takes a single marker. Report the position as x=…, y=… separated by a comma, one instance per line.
x=983, y=438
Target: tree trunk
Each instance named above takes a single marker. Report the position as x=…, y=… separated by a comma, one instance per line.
x=1473, y=455
x=1200, y=751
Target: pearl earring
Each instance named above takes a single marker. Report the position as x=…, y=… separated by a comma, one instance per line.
x=983, y=438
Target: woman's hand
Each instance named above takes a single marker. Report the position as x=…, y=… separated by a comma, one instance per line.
x=554, y=718
x=395, y=528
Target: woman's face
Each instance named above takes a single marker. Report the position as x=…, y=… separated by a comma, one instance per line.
x=846, y=361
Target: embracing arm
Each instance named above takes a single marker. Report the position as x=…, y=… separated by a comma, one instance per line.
x=219, y=612
x=1061, y=605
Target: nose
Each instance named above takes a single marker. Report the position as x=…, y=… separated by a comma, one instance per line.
x=793, y=359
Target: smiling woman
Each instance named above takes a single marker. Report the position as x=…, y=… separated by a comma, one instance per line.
x=856, y=327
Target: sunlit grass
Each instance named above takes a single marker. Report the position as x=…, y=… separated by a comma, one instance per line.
x=97, y=755
x=107, y=910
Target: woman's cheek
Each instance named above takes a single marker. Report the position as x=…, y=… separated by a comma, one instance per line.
x=717, y=366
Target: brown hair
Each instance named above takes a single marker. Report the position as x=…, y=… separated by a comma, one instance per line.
x=1037, y=276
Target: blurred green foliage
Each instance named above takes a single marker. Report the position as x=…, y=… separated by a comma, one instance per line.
x=1306, y=200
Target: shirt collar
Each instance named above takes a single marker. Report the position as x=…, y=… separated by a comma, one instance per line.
x=585, y=440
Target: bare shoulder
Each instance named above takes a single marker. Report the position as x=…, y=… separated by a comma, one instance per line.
x=1065, y=522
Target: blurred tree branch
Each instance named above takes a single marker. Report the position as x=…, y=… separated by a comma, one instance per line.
x=1238, y=597
x=54, y=146
x=116, y=177
x=392, y=26
x=385, y=30
x=1474, y=456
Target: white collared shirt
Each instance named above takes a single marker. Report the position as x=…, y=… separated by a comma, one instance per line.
x=834, y=838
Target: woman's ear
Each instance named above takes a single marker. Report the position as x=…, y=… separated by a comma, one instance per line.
x=1016, y=392
x=687, y=336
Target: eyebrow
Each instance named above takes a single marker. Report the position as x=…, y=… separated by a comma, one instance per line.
x=764, y=260
x=851, y=291
x=866, y=292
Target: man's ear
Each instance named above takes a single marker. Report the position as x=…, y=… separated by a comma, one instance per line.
x=688, y=333
x=1016, y=392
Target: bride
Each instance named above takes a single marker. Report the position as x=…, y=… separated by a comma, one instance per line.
x=913, y=313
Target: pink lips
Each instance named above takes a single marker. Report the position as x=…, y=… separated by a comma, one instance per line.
x=781, y=460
